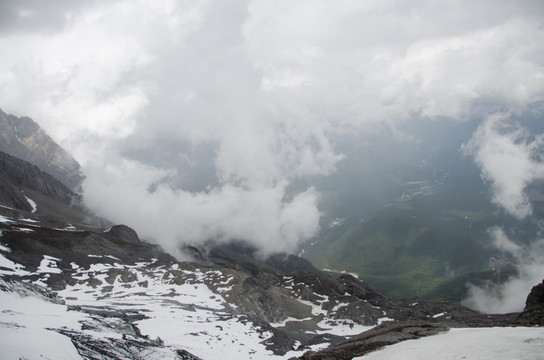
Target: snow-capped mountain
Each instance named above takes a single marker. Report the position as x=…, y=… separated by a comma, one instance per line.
x=74, y=288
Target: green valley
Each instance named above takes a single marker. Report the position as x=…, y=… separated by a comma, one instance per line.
x=420, y=247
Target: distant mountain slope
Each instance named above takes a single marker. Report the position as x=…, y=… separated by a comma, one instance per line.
x=419, y=247
x=419, y=227
x=28, y=192
x=24, y=139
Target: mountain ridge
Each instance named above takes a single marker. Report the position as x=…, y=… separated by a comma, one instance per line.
x=23, y=138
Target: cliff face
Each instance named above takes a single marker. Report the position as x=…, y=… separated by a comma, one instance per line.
x=24, y=139
x=533, y=314
x=16, y=175
x=28, y=192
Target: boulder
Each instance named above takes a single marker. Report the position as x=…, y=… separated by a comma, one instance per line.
x=124, y=233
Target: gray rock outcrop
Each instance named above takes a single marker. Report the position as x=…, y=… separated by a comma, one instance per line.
x=533, y=313
x=24, y=139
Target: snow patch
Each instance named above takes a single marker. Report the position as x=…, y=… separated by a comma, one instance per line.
x=384, y=319
x=26, y=325
x=338, y=307
x=287, y=320
x=9, y=267
x=104, y=257
x=49, y=265
x=336, y=222
x=25, y=230
x=472, y=343
x=316, y=309
x=355, y=275
x=30, y=220
x=341, y=327
x=5, y=220
x=180, y=309
x=4, y=247
x=32, y=204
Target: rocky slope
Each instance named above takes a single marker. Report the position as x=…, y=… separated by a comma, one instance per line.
x=24, y=139
x=133, y=289
x=23, y=186
x=103, y=293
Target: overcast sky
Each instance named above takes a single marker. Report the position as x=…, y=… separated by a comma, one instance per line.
x=267, y=85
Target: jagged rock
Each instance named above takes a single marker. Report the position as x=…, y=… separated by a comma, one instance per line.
x=533, y=313
x=51, y=202
x=23, y=138
x=535, y=299
x=10, y=193
x=359, y=288
x=22, y=175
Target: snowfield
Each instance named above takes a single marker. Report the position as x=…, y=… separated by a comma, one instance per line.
x=178, y=308
x=26, y=328
x=520, y=343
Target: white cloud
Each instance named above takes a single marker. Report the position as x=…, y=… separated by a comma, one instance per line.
x=267, y=83
x=509, y=160
x=509, y=296
x=503, y=243
x=257, y=214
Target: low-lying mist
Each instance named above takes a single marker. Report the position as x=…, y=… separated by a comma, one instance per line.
x=510, y=295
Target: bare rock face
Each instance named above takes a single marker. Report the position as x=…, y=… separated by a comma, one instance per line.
x=28, y=192
x=20, y=175
x=535, y=299
x=24, y=139
x=533, y=314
